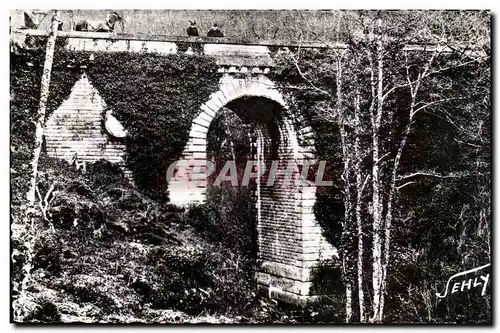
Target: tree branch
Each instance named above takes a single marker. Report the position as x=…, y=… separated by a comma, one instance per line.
x=436, y=102
x=433, y=174
x=306, y=79
x=405, y=184
x=368, y=176
x=382, y=157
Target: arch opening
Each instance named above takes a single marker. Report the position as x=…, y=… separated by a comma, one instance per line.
x=250, y=131
x=289, y=242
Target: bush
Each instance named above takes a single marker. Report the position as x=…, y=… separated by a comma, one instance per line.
x=45, y=312
x=115, y=251
x=227, y=219
x=196, y=280
x=48, y=252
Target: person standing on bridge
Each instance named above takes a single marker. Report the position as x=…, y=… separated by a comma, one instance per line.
x=214, y=31
x=192, y=30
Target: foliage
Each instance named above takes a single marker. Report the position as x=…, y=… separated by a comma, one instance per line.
x=155, y=96
x=229, y=219
x=26, y=69
x=117, y=251
x=442, y=222
x=115, y=255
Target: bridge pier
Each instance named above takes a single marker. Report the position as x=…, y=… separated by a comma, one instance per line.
x=286, y=283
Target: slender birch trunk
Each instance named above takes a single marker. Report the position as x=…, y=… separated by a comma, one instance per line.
x=44, y=95
x=359, y=192
x=375, y=84
x=346, y=263
x=348, y=305
x=377, y=203
x=414, y=88
x=347, y=196
x=390, y=200
x=377, y=221
x=29, y=219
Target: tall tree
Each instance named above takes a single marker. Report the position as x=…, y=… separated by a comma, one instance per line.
x=30, y=217
x=397, y=65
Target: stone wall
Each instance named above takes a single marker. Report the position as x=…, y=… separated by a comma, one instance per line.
x=77, y=127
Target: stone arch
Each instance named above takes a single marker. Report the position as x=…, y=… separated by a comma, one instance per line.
x=289, y=240
x=231, y=89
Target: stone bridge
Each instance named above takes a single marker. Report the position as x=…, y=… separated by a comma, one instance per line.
x=290, y=241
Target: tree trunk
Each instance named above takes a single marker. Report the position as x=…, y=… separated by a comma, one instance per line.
x=377, y=221
x=392, y=189
x=359, y=192
x=44, y=95
x=377, y=203
x=346, y=264
x=29, y=219
x=348, y=302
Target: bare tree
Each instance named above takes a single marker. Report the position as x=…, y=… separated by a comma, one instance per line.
x=387, y=66
x=30, y=217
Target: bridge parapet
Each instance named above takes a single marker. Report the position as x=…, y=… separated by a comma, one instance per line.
x=232, y=55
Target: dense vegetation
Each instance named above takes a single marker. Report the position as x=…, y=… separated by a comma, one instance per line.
x=156, y=97
x=433, y=146
x=109, y=253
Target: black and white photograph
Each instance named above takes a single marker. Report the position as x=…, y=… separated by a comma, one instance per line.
x=250, y=166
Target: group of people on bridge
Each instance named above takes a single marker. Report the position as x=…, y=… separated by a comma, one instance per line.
x=213, y=32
